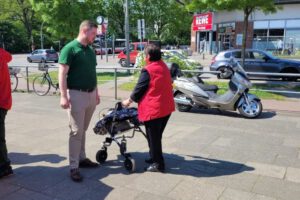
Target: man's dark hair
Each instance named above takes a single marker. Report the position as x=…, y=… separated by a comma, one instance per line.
x=153, y=51
x=88, y=23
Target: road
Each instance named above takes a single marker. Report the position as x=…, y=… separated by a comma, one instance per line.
x=21, y=60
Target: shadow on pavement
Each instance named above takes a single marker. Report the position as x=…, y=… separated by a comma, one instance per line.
x=264, y=114
x=54, y=182
x=186, y=165
x=26, y=158
x=46, y=183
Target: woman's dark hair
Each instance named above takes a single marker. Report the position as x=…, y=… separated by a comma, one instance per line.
x=153, y=51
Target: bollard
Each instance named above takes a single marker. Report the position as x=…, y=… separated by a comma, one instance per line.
x=116, y=84
x=203, y=55
x=27, y=79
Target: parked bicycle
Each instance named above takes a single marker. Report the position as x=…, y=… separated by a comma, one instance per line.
x=14, y=81
x=43, y=83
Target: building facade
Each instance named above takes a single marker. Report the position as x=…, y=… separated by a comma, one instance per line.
x=280, y=30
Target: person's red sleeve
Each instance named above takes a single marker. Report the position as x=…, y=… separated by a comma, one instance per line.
x=5, y=56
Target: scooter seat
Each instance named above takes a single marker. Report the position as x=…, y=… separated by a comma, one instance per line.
x=205, y=87
x=197, y=80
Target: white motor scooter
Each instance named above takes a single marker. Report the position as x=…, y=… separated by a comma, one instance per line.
x=193, y=92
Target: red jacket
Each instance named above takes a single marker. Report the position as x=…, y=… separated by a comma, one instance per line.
x=158, y=101
x=5, y=87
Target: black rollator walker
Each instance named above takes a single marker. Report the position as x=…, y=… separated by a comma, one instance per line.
x=115, y=122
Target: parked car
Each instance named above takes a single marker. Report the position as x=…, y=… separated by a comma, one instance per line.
x=135, y=48
x=43, y=55
x=255, y=61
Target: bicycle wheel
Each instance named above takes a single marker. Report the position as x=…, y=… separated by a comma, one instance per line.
x=41, y=85
x=14, y=82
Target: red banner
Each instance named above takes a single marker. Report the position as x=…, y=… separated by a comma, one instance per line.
x=203, y=22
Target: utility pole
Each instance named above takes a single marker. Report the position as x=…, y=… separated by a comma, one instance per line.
x=126, y=7
x=41, y=35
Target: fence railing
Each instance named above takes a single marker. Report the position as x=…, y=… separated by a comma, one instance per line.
x=115, y=71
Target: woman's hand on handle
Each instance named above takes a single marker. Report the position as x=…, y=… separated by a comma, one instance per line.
x=126, y=103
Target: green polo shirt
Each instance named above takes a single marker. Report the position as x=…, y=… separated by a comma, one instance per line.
x=82, y=65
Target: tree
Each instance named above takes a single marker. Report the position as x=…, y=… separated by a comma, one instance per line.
x=12, y=37
x=19, y=11
x=114, y=11
x=165, y=20
x=247, y=6
x=62, y=17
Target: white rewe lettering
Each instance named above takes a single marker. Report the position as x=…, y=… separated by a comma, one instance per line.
x=202, y=20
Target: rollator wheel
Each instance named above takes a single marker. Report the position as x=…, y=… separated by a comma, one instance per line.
x=101, y=156
x=129, y=164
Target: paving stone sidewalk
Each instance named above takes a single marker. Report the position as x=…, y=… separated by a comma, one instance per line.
x=209, y=155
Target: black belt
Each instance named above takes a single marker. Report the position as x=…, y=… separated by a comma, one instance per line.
x=83, y=90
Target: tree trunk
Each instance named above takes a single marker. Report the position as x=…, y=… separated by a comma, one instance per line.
x=247, y=12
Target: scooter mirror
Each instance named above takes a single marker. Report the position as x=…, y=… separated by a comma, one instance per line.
x=175, y=71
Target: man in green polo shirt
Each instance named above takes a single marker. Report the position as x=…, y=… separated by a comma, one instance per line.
x=79, y=93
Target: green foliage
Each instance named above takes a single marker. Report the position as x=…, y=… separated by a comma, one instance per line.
x=63, y=17
x=165, y=20
x=168, y=57
x=19, y=12
x=13, y=37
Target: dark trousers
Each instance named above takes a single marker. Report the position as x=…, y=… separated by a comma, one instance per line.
x=4, y=161
x=154, y=130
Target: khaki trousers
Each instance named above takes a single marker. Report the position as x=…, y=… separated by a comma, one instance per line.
x=82, y=107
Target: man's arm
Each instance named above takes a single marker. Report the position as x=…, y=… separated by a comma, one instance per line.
x=97, y=96
x=62, y=78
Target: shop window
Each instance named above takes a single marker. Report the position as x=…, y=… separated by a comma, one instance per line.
x=292, y=39
x=260, y=34
x=276, y=32
x=214, y=36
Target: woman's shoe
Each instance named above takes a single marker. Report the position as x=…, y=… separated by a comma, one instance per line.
x=155, y=167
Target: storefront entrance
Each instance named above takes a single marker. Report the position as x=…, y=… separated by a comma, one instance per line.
x=226, y=41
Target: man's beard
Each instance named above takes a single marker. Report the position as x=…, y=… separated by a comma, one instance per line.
x=88, y=42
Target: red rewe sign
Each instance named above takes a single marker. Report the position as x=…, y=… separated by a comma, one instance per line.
x=203, y=22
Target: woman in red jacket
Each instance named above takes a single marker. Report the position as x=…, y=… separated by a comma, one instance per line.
x=5, y=105
x=154, y=96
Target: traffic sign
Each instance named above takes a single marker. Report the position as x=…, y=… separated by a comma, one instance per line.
x=141, y=29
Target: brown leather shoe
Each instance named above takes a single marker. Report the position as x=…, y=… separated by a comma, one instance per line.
x=75, y=175
x=87, y=163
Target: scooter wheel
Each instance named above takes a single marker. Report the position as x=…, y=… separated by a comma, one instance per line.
x=101, y=156
x=129, y=164
x=251, y=111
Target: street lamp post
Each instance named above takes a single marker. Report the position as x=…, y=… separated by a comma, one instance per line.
x=126, y=7
x=41, y=34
